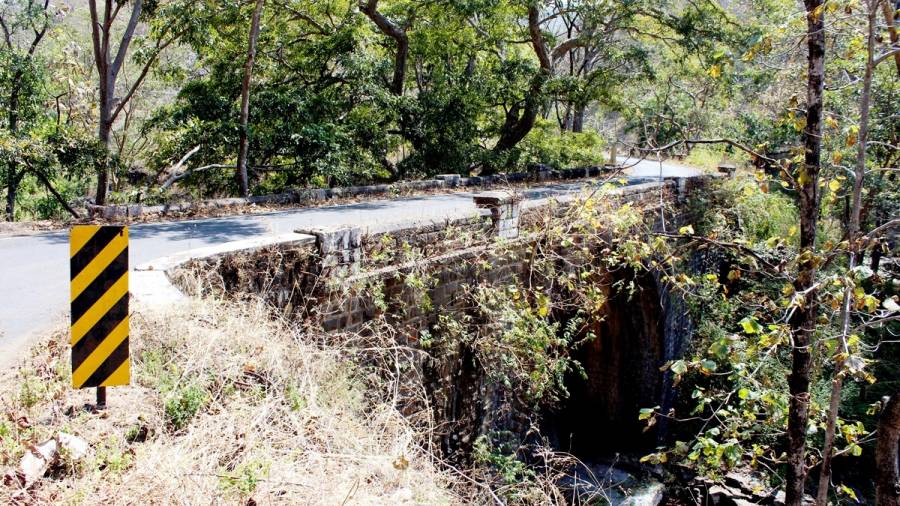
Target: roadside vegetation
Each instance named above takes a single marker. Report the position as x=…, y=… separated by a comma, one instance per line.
x=791, y=371
x=224, y=402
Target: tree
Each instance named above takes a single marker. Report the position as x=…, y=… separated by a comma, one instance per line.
x=803, y=321
x=395, y=32
x=21, y=76
x=853, y=236
x=110, y=63
x=887, y=455
x=243, y=142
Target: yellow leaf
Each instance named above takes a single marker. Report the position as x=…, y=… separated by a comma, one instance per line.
x=834, y=185
x=837, y=157
x=715, y=71
x=851, y=140
x=817, y=12
x=831, y=122
x=686, y=230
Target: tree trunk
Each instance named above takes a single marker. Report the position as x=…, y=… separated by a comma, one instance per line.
x=853, y=229
x=889, y=13
x=244, y=141
x=389, y=28
x=12, y=174
x=108, y=72
x=578, y=119
x=803, y=321
x=521, y=118
x=12, y=185
x=103, y=168
x=887, y=455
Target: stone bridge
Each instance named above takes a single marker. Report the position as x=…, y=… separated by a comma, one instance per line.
x=342, y=281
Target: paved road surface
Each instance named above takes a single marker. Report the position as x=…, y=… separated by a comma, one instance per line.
x=34, y=270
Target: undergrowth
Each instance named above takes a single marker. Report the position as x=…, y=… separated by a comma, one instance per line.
x=226, y=406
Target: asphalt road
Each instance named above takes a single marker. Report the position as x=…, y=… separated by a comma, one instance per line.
x=34, y=269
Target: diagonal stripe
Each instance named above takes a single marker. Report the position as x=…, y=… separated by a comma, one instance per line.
x=100, y=285
x=79, y=237
x=83, y=256
x=122, y=376
x=95, y=336
x=88, y=366
x=93, y=315
x=98, y=264
x=112, y=364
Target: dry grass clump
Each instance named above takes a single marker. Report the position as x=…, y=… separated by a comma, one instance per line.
x=226, y=406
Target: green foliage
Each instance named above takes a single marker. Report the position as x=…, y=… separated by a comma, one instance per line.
x=522, y=347
x=502, y=459
x=561, y=150
x=244, y=478
x=182, y=403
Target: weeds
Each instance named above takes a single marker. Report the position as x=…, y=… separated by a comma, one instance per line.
x=185, y=433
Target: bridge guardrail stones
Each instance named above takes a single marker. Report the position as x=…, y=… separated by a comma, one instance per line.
x=338, y=246
x=505, y=210
x=302, y=196
x=342, y=250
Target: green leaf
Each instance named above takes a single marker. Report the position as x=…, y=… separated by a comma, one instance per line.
x=848, y=491
x=743, y=393
x=708, y=366
x=679, y=367
x=751, y=326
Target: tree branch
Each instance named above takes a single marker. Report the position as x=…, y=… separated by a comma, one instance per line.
x=6, y=35
x=389, y=28
x=126, y=39
x=95, y=37
x=566, y=46
x=46, y=182
x=537, y=39
x=140, y=79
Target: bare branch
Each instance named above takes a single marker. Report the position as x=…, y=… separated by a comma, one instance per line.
x=126, y=39
x=6, y=35
x=143, y=75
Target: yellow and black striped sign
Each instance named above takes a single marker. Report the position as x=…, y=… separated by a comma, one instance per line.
x=99, y=266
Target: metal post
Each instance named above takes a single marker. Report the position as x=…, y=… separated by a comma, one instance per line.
x=101, y=397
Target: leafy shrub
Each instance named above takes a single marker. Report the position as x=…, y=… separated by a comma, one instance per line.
x=183, y=403
x=544, y=144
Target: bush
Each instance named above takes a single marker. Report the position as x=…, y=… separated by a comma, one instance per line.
x=182, y=404
x=544, y=144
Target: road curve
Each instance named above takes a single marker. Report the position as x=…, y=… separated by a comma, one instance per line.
x=34, y=269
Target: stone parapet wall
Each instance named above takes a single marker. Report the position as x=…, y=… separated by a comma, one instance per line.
x=326, y=280
x=312, y=196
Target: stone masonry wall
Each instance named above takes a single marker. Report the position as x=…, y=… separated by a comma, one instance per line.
x=407, y=278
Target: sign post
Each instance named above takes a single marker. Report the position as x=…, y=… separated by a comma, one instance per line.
x=98, y=258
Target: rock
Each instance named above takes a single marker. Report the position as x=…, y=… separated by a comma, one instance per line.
x=36, y=461
x=40, y=457
x=745, y=482
x=646, y=494
x=780, y=497
x=74, y=447
x=610, y=485
x=721, y=495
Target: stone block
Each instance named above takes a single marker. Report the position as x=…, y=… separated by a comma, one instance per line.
x=450, y=180
x=338, y=246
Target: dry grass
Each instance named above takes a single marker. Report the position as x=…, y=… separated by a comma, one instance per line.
x=282, y=417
